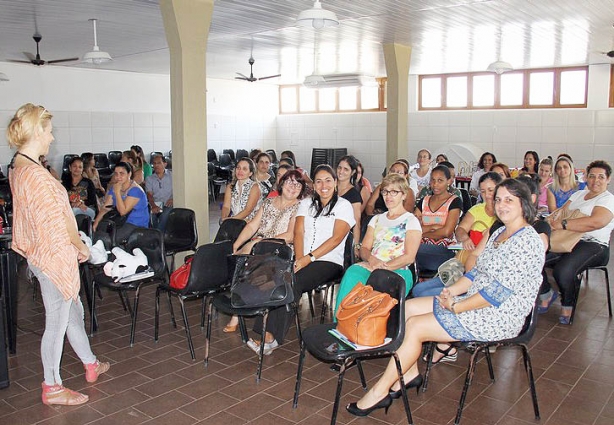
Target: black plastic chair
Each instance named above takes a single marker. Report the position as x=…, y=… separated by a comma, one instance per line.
x=231, y=153
x=180, y=234
x=208, y=275
x=151, y=242
x=212, y=156
x=242, y=153
x=169, y=162
x=225, y=167
x=475, y=347
x=84, y=224
x=466, y=200
x=273, y=156
x=101, y=161
x=222, y=303
x=67, y=158
x=230, y=230
x=326, y=348
x=114, y=158
x=603, y=268
x=329, y=287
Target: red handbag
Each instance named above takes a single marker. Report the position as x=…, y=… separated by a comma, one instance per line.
x=179, y=278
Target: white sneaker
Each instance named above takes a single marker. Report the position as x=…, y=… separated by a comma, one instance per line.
x=269, y=347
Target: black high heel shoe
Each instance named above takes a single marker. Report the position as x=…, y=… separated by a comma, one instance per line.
x=414, y=383
x=382, y=404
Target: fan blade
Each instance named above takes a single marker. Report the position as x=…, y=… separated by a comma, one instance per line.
x=270, y=76
x=29, y=56
x=63, y=60
x=18, y=61
x=242, y=78
x=243, y=75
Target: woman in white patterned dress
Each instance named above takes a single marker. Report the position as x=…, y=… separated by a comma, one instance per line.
x=499, y=292
x=242, y=197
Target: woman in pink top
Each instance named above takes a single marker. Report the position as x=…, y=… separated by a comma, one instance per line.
x=45, y=233
x=545, y=179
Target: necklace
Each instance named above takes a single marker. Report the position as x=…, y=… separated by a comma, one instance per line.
x=27, y=157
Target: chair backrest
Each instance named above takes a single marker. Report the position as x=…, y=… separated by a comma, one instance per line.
x=230, y=230
x=393, y=284
x=528, y=329
x=114, y=157
x=211, y=155
x=151, y=242
x=84, y=224
x=241, y=153
x=225, y=160
x=273, y=156
x=169, y=162
x=154, y=153
x=466, y=199
x=67, y=158
x=180, y=231
x=209, y=270
x=101, y=161
x=348, y=252
x=276, y=246
x=231, y=153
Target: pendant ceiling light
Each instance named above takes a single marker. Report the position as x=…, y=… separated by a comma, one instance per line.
x=96, y=57
x=500, y=67
x=3, y=77
x=317, y=17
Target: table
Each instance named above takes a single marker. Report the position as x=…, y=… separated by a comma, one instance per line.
x=462, y=182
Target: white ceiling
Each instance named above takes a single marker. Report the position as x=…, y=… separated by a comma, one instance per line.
x=445, y=35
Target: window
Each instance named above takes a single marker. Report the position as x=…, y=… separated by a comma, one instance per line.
x=530, y=88
x=299, y=99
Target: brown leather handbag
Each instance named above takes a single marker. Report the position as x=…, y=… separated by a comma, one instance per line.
x=563, y=241
x=363, y=315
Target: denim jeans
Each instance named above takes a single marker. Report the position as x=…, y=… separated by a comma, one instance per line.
x=428, y=288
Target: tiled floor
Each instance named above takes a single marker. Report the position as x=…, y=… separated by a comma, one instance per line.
x=158, y=383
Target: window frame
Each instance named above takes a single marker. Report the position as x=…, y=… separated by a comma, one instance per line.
x=526, y=73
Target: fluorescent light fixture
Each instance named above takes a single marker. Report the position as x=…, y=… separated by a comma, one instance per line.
x=317, y=17
x=499, y=67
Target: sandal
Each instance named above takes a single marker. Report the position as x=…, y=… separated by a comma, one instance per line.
x=228, y=329
x=58, y=394
x=93, y=370
x=447, y=357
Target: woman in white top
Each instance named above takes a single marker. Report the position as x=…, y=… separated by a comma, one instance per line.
x=594, y=247
x=422, y=174
x=323, y=222
x=484, y=165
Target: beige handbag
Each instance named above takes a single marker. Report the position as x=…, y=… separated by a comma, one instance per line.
x=563, y=241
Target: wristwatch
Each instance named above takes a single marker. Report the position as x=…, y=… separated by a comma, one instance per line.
x=312, y=257
x=564, y=223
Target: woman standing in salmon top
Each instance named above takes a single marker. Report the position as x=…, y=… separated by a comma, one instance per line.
x=45, y=233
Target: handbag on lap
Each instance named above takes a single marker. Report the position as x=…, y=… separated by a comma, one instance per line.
x=561, y=240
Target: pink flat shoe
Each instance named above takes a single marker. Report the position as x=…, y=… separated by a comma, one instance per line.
x=93, y=370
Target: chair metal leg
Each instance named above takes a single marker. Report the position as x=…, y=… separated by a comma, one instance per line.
x=311, y=309
x=299, y=375
x=363, y=380
x=125, y=305
x=170, y=309
x=157, y=314
x=187, y=328
x=134, y=313
x=529, y=368
x=93, y=312
x=397, y=362
x=262, y=342
x=429, y=363
x=468, y=379
x=203, y=307
x=576, y=296
x=491, y=371
x=208, y=333
x=243, y=330
x=333, y=418
x=607, y=287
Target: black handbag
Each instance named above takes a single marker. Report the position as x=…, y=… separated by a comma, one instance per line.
x=115, y=217
x=262, y=281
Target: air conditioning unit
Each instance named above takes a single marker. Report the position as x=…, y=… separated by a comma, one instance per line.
x=315, y=81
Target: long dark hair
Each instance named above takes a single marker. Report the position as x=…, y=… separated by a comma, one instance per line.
x=535, y=159
x=353, y=163
x=315, y=198
x=484, y=155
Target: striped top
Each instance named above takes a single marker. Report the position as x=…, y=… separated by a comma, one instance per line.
x=41, y=212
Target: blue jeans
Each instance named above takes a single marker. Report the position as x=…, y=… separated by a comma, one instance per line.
x=428, y=288
x=430, y=257
x=159, y=220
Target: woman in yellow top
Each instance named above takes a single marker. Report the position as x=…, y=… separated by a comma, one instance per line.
x=45, y=233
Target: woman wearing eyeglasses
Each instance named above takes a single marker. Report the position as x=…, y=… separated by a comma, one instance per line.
x=391, y=241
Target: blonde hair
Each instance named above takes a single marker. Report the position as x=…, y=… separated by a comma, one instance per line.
x=556, y=183
x=395, y=179
x=27, y=121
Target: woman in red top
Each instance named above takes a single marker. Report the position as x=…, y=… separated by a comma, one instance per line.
x=45, y=233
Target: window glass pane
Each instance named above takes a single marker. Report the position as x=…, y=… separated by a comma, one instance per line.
x=541, y=88
x=573, y=87
x=511, y=89
x=369, y=97
x=307, y=99
x=456, y=95
x=431, y=92
x=347, y=98
x=386, y=94
x=327, y=99
x=288, y=99
x=484, y=90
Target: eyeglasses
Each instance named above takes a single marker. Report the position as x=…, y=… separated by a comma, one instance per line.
x=292, y=183
x=390, y=192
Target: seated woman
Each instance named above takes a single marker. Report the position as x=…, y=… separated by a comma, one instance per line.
x=499, y=293
x=363, y=185
x=323, y=222
x=281, y=170
x=137, y=165
x=484, y=165
x=147, y=168
x=422, y=174
x=90, y=172
x=376, y=204
x=530, y=163
x=544, y=171
x=564, y=183
x=484, y=213
x=391, y=241
x=502, y=169
x=242, y=197
x=346, y=181
x=594, y=247
x=438, y=214
x=129, y=199
x=263, y=175
x=81, y=190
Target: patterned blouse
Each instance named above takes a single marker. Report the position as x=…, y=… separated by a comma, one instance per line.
x=274, y=222
x=439, y=216
x=238, y=200
x=389, y=235
x=507, y=275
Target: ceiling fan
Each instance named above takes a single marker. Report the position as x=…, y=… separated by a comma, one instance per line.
x=36, y=60
x=251, y=77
